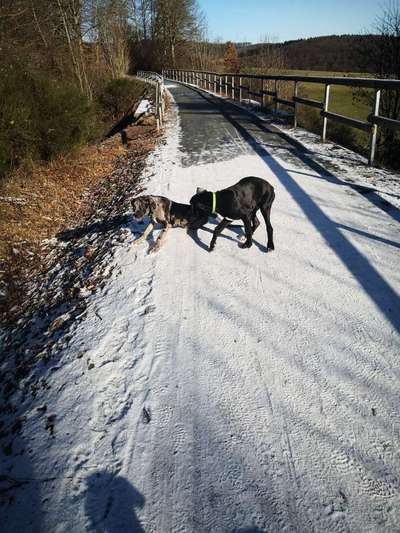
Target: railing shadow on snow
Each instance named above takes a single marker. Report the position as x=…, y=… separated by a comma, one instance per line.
x=373, y=283
x=232, y=113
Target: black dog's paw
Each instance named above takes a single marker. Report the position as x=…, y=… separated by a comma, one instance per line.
x=210, y=248
x=245, y=244
x=270, y=248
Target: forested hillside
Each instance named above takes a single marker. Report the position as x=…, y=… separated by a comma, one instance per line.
x=338, y=53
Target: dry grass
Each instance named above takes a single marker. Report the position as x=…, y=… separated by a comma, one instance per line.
x=36, y=205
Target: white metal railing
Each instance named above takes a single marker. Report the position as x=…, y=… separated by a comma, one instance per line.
x=235, y=85
x=158, y=81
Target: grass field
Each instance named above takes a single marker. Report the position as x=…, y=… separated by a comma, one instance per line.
x=343, y=100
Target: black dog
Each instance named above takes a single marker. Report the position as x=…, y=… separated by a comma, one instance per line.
x=240, y=201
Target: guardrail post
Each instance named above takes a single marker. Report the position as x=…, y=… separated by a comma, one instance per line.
x=157, y=106
x=295, y=91
x=374, y=128
x=263, y=95
x=233, y=87
x=276, y=97
x=326, y=106
x=240, y=89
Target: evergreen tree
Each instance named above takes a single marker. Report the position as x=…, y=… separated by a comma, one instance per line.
x=231, y=59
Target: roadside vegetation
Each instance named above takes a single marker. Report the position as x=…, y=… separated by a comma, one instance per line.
x=42, y=117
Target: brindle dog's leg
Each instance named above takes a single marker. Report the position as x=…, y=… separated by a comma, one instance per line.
x=143, y=237
x=157, y=245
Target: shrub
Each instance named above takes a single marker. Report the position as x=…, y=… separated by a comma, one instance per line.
x=65, y=118
x=39, y=117
x=118, y=96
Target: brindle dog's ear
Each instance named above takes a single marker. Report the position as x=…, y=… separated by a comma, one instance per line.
x=152, y=204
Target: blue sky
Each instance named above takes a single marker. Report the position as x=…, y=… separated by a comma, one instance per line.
x=249, y=20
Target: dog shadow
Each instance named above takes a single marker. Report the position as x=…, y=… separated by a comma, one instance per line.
x=237, y=229
x=98, y=227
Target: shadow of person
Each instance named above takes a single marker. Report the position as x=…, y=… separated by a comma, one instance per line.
x=110, y=504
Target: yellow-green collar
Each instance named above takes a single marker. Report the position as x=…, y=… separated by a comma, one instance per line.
x=214, y=203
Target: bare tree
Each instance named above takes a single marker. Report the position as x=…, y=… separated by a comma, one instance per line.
x=270, y=57
x=384, y=55
x=70, y=14
x=110, y=19
x=176, y=24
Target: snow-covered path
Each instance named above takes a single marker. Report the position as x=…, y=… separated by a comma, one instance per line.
x=236, y=391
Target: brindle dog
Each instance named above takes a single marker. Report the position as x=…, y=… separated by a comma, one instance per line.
x=164, y=211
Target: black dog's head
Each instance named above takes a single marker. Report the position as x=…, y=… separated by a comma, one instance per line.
x=201, y=203
x=142, y=206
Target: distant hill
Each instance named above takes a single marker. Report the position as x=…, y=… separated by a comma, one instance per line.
x=333, y=52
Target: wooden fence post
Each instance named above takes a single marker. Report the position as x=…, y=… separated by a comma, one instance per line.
x=374, y=128
x=263, y=95
x=295, y=104
x=157, y=107
x=326, y=106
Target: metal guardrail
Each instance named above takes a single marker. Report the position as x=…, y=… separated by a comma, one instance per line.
x=158, y=81
x=232, y=86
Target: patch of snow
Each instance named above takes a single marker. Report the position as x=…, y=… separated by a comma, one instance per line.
x=144, y=107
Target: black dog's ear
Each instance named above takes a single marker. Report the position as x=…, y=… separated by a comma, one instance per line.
x=199, y=190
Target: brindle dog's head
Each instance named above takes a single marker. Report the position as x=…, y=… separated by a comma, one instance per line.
x=142, y=206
